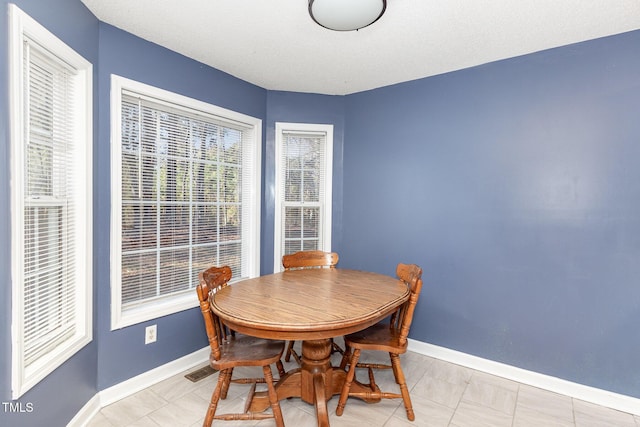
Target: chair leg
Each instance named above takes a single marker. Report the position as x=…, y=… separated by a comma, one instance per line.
x=399, y=375
x=225, y=385
x=280, y=367
x=287, y=355
x=273, y=396
x=335, y=348
x=215, y=397
x=291, y=352
x=345, y=357
x=347, y=382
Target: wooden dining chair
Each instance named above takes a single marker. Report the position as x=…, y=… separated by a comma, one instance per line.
x=229, y=350
x=390, y=338
x=308, y=259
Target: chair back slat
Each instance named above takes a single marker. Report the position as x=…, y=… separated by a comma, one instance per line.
x=211, y=281
x=306, y=259
x=411, y=274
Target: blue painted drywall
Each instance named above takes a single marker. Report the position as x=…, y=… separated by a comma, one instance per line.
x=122, y=354
x=57, y=398
x=293, y=107
x=516, y=186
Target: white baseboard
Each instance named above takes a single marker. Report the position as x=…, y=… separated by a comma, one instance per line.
x=88, y=411
x=154, y=376
x=578, y=391
x=138, y=383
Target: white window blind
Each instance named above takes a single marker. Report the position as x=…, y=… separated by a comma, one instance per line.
x=304, y=193
x=186, y=178
x=303, y=157
x=49, y=252
x=51, y=155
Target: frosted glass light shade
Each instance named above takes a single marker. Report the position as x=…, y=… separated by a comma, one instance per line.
x=346, y=15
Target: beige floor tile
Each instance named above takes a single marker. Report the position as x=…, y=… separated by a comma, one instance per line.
x=99, y=420
x=298, y=413
x=484, y=378
x=468, y=414
x=131, y=409
x=293, y=416
x=590, y=415
x=357, y=413
x=375, y=413
x=177, y=386
x=528, y=417
x=182, y=412
x=438, y=390
x=490, y=396
x=414, y=366
x=144, y=422
x=551, y=404
x=449, y=372
x=207, y=385
x=427, y=413
x=403, y=422
x=308, y=408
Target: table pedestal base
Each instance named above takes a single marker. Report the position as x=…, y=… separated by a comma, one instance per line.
x=315, y=382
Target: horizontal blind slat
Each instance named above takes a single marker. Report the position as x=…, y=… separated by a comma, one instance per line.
x=302, y=187
x=182, y=202
x=49, y=260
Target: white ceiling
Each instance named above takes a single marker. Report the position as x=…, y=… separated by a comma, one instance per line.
x=276, y=45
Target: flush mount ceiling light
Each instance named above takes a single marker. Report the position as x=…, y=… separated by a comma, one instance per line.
x=346, y=15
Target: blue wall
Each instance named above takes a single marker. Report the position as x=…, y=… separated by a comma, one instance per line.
x=516, y=186
x=70, y=21
x=122, y=353
x=300, y=108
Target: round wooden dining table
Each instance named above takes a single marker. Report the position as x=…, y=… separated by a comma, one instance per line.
x=311, y=305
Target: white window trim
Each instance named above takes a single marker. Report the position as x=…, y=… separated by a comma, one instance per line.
x=281, y=128
x=186, y=300
x=21, y=26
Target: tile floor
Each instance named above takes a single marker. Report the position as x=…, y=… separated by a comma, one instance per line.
x=443, y=394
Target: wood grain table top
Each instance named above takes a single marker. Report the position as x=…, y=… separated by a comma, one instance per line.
x=309, y=304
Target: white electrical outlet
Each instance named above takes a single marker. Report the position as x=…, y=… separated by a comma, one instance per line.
x=150, y=334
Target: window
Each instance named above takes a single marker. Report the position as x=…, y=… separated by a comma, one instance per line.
x=51, y=140
x=185, y=195
x=304, y=155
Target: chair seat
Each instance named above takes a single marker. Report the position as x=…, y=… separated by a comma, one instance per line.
x=243, y=350
x=379, y=337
